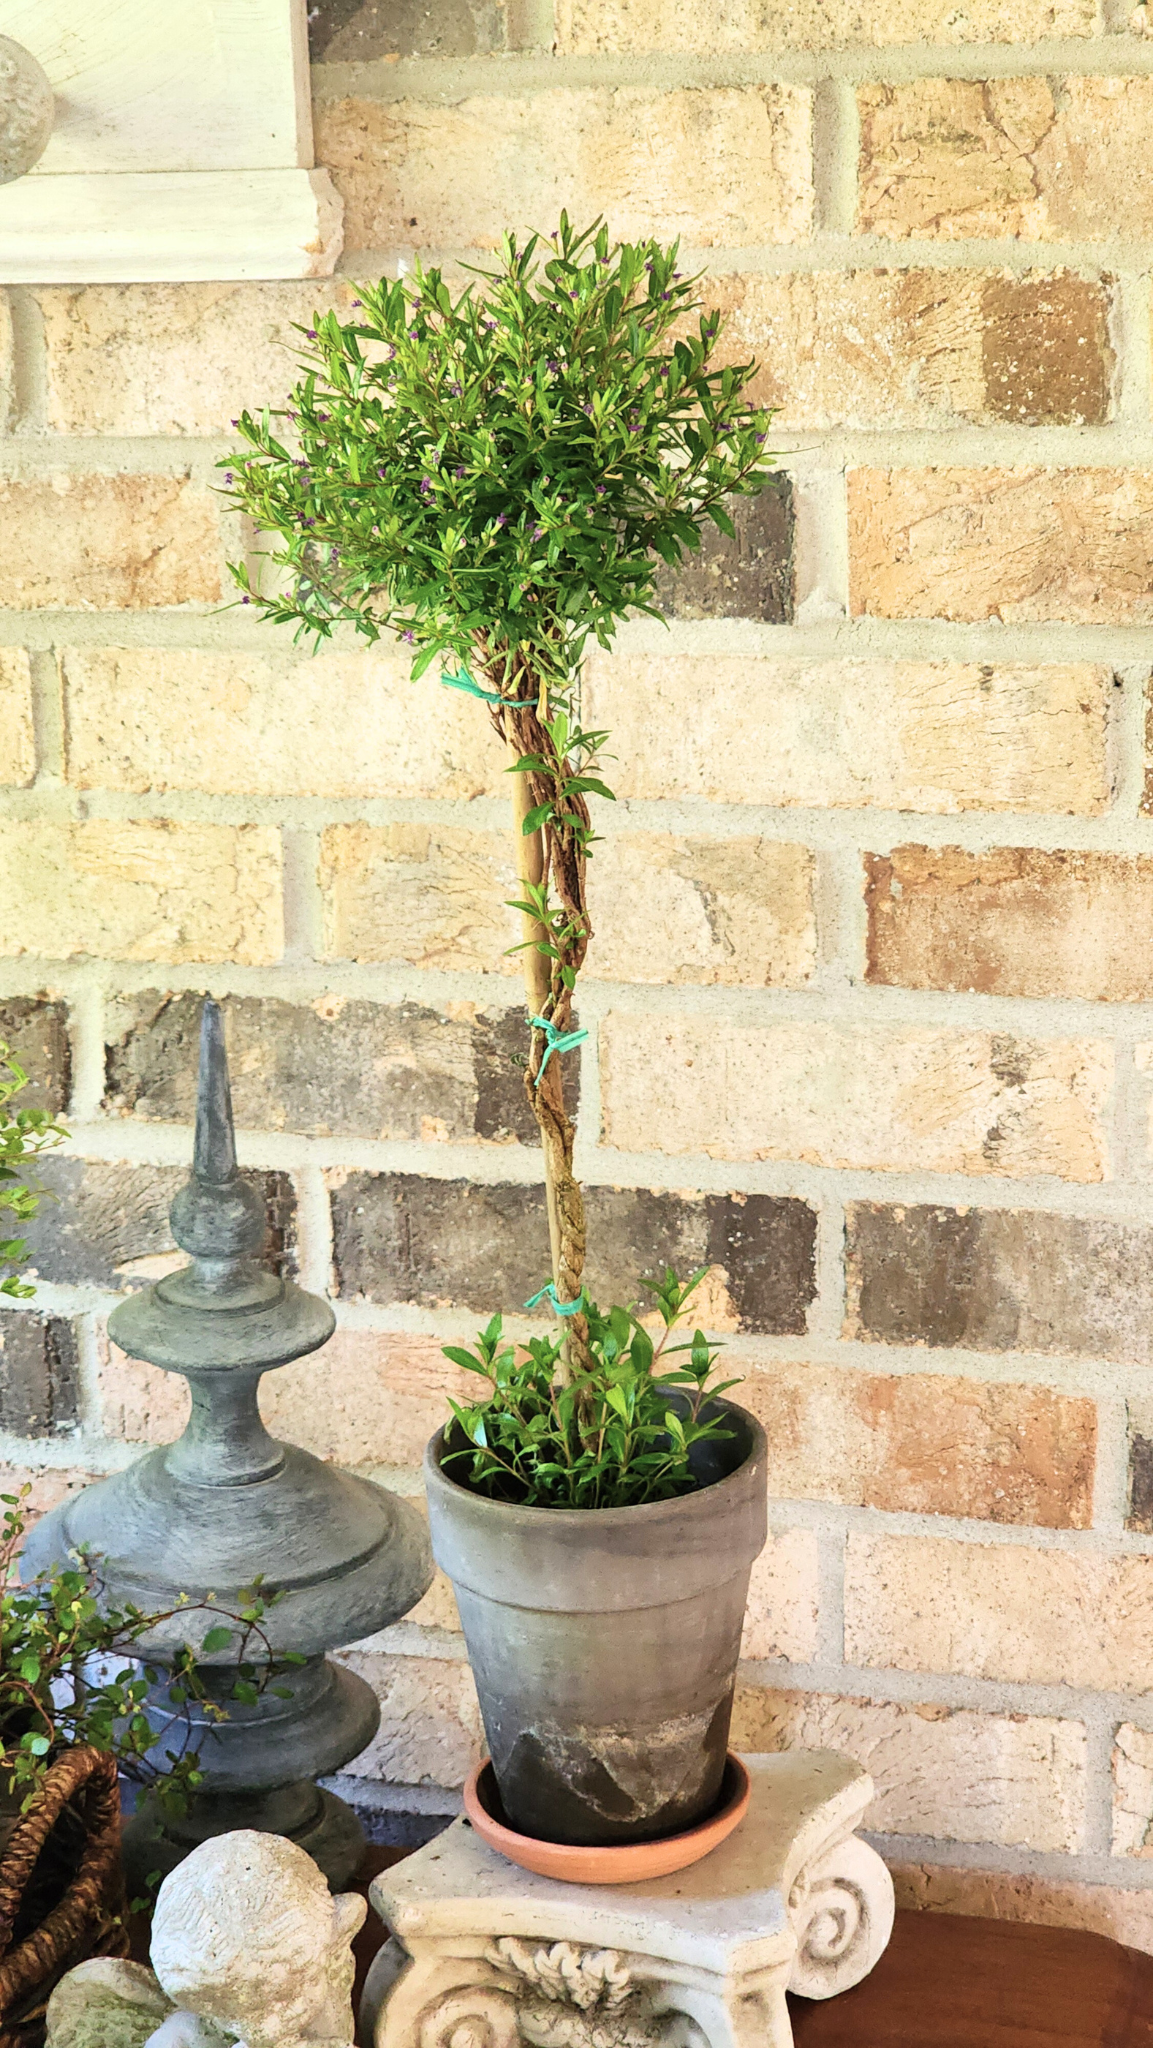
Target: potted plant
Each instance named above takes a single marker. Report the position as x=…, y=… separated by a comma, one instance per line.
x=497, y=476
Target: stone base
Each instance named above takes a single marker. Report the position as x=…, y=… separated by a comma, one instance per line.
x=483, y=1955
x=314, y=1819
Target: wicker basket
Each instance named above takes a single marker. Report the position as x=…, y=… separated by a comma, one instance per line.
x=61, y=1889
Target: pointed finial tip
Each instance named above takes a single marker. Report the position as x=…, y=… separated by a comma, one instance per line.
x=214, y=1155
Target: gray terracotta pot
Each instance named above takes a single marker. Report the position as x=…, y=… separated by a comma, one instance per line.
x=604, y=1643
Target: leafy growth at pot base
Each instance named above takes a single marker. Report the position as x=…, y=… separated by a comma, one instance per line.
x=616, y=1436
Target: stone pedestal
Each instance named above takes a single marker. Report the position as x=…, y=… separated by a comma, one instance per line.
x=484, y=1955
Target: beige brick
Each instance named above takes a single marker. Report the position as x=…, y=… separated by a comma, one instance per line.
x=139, y=1404
x=1012, y=922
x=17, y=737
x=919, y=348
x=904, y=735
x=1045, y=159
x=781, y=1619
x=141, y=891
x=1124, y=1916
x=173, y=358
x=1011, y=1779
x=49, y=1484
x=430, y=1726
x=7, y=365
x=594, y=27
x=369, y=1398
x=924, y=1443
x=433, y=895
x=721, y=168
x=107, y=543
x=735, y=911
x=1013, y=544
x=1041, y=1617
x=339, y=724
x=928, y=1101
x=1132, y=1791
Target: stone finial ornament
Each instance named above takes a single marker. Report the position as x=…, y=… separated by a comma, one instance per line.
x=248, y=1945
x=26, y=110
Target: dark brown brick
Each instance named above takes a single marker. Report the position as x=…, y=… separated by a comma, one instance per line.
x=107, y=1215
x=1140, y=1514
x=750, y=577
x=1000, y=1280
x=355, y=31
x=454, y=1243
x=36, y=1029
x=1045, y=349
x=346, y=1069
x=38, y=1375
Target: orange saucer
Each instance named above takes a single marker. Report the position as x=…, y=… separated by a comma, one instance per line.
x=621, y=1862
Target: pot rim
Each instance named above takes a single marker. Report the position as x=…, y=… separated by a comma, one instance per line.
x=602, y=1517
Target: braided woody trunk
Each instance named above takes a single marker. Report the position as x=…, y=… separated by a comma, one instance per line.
x=554, y=853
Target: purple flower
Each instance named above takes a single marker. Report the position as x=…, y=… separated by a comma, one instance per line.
x=600, y=490
x=759, y=439
x=665, y=297
x=502, y=518
x=550, y=365
x=409, y=639
x=236, y=423
x=382, y=472
x=246, y=600
x=309, y=522
x=459, y=472
x=311, y=332
x=228, y=476
x=536, y=532
x=490, y=324
x=413, y=333
x=356, y=303
x=392, y=355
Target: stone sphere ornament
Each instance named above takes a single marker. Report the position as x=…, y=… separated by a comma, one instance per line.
x=26, y=110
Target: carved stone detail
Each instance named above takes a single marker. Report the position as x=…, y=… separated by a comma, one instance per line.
x=566, y=1973
x=843, y=1920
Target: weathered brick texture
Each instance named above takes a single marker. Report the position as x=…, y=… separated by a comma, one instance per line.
x=107, y=1224
x=7, y=364
x=782, y=1618
x=1000, y=1280
x=1013, y=544
x=1003, y=1610
x=922, y=1443
x=1013, y=922
x=17, y=736
x=1132, y=1792
x=444, y=1243
x=38, y=1375
x=902, y=735
x=107, y=543
x=737, y=26
x=1111, y=1910
x=357, y=31
x=922, y=348
x=748, y=575
x=722, y=167
x=36, y=1029
x=141, y=890
x=908, y=1100
x=993, y=1778
x=1044, y=159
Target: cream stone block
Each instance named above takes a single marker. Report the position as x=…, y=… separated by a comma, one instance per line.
x=17, y=735
x=107, y=542
x=903, y=735
x=1014, y=1779
x=135, y=890
x=929, y=1101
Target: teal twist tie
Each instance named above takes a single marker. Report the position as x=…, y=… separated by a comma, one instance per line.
x=559, y=1307
x=558, y=1041
x=465, y=682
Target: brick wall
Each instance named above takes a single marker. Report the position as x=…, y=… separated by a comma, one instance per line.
x=887, y=1067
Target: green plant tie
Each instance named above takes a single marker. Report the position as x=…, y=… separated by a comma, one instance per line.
x=465, y=682
x=561, y=1308
x=558, y=1041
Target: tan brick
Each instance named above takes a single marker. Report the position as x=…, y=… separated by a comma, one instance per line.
x=920, y=348
x=1012, y=922
x=430, y=1726
x=433, y=895
x=17, y=737
x=1041, y=1617
x=173, y=358
x=910, y=1101
x=369, y=1398
x=141, y=891
x=271, y=725
x=729, y=911
x=50, y=1484
x=1132, y=1791
x=1012, y=1779
x=722, y=167
x=107, y=543
x=904, y=735
x=1124, y=1916
x=781, y=1619
x=1014, y=544
x=7, y=366
x=1045, y=159
x=139, y=1404
x=594, y=27
x=923, y=1443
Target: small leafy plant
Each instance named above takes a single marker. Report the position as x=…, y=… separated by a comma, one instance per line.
x=71, y=1674
x=615, y=1436
x=24, y=1134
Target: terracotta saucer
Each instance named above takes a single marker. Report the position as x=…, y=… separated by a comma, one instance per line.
x=622, y=1863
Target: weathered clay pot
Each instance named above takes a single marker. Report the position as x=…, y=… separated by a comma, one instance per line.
x=604, y=1643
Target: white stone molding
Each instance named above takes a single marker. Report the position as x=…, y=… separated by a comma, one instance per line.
x=484, y=1955
x=181, y=145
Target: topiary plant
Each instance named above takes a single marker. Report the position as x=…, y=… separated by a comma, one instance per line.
x=497, y=476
